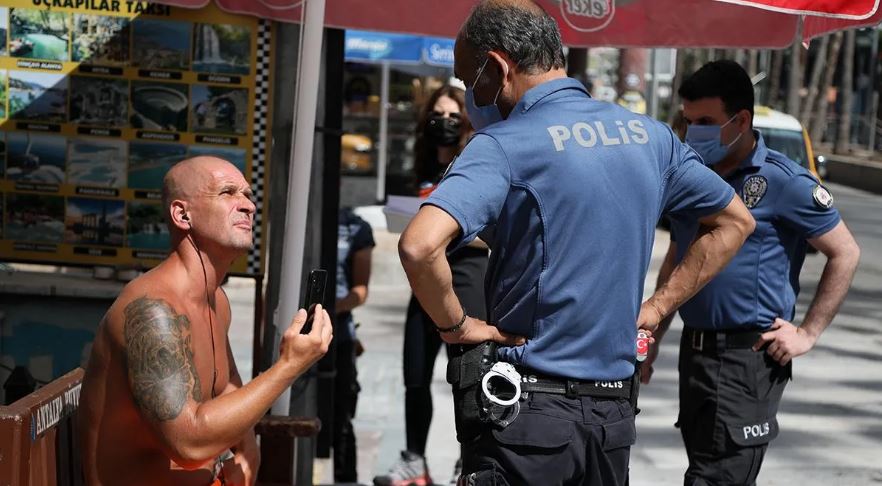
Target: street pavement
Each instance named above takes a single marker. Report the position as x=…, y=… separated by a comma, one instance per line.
x=830, y=418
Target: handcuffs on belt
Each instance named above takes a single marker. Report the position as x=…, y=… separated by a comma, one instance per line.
x=503, y=408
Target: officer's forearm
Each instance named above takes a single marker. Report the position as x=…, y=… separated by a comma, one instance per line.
x=719, y=239
x=832, y=288
x=664, y=273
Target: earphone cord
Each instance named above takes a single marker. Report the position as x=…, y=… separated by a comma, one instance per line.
x=210, y=321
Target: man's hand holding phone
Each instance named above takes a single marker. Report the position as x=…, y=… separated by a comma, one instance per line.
x=311, y=331
x=299, y=350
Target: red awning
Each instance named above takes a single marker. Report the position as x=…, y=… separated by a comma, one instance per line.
x=843, y=9
x=622, y=23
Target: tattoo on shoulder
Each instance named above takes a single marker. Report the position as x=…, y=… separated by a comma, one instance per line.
x=160, y=358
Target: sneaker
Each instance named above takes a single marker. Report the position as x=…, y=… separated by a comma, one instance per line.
x=409, y=470
x=457, y=472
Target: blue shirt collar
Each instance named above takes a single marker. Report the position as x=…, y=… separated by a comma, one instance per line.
x=535, y=94
x=758, y=155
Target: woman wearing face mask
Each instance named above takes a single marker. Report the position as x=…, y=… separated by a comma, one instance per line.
x=442, y=131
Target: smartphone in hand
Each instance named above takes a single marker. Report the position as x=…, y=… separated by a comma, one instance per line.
x=315, y=294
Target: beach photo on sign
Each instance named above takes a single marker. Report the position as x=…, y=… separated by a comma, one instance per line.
x=35, y=157
x=97, y=162
x=159, y=106
x=94, y=221
x=147, y=229
x=38, y=96
x=34, y=218
x=99, y=101
x=38, y=34
x=221, y=48
x=219, y=110
x=4, y=29
x=100, y=40
x=149, y=162
x=4, y=91
x=160, y=44
x=235, y=156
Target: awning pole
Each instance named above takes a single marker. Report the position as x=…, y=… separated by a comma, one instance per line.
x=305, y=102
x=383, y=148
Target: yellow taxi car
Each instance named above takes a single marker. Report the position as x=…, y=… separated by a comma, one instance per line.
x=356, y=155
x=784, y=133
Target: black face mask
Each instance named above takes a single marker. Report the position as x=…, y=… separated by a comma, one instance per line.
x=443, y=132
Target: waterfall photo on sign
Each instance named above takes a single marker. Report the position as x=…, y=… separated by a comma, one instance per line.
x=221, y=48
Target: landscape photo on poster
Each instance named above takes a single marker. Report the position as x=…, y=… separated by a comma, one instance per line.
x=39, y=34
x=101, y=40
x=35, y=218
x=99, y=101
x=147, y=228
x=149, y=162
x=222, y=48
x=4, y=29
x=159, y=106
x=160, y=44
x=235, y=156
x=4, y=92
x=219, y=109
x=37, y=96
x=97, y=162
x=94, y=221
x=36, y=157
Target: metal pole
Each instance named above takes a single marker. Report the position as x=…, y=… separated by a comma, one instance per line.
x=382, y=150
x=310, y=58
x=874, y=111
x=653, y=85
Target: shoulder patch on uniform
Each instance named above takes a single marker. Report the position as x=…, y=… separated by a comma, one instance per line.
x=753, y=191
x=822, y=197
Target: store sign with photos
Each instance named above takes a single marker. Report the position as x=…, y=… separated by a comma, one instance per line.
x=98, y=101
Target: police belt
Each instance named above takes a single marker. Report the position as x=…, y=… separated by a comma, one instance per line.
x=533, y=383
x=710, y=341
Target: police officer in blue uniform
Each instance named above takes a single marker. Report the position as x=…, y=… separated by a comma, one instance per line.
x=566, y=191
x=738, y=340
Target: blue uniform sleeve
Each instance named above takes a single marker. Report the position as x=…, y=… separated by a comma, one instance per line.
x=691, y=189
x=807, y=207
x=475, y=188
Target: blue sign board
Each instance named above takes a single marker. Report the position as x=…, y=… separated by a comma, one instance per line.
x=363, y=46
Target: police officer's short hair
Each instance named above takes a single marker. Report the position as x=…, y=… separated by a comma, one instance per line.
x=525, y=33
x=722, y=79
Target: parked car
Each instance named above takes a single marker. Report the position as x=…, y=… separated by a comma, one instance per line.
x=785, y=134
x=356, y=154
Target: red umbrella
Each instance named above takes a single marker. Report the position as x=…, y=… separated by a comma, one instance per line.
x=645, y=23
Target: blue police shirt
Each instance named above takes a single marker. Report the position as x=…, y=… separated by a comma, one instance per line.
x=762, y=280
x=566, y=192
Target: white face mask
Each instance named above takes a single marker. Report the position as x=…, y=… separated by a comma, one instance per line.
x=481, y=116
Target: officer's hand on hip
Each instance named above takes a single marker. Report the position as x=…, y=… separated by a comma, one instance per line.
x=785, y=341
x=474, y=331
x=649, y=318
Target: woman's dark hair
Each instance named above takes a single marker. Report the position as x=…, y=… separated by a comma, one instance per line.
x=426, y=166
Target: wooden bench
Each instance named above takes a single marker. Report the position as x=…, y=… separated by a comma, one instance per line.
x=38, y=436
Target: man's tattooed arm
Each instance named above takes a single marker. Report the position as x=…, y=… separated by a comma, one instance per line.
x=159, y=358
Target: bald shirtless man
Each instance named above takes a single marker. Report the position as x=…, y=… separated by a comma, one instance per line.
x=162, y=402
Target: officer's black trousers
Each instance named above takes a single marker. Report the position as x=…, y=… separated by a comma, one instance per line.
x=728, y=402
x=555, y=441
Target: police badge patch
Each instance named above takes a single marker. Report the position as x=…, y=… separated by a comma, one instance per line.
x=822, y=196
x=753, y=191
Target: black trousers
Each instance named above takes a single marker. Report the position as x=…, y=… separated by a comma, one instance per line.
x=555, y=440
x=728, y=402
x=422, y=343
x=346, y=390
